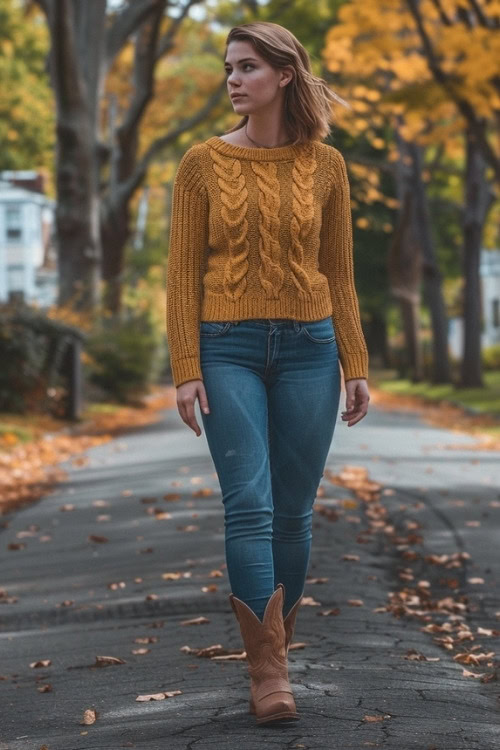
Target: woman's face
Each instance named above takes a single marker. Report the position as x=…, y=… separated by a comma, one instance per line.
x=248, y=74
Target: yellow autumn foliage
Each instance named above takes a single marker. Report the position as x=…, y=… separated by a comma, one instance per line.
x=376, y=51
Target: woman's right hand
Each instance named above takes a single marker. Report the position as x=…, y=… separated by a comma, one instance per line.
x=187, y=393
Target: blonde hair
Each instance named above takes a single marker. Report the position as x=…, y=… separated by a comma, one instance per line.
x=308, y=111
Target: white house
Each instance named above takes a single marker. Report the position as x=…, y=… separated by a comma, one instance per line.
x=28, y=265
x=489, y=270
x=490, y=289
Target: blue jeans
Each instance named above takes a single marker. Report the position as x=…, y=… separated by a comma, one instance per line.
x=273, y=388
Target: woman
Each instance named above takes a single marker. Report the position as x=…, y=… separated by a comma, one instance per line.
x=261, y=306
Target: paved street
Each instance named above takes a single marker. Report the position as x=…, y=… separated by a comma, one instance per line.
x=364, y=678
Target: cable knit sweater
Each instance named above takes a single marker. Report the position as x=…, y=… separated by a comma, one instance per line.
x=261, y=233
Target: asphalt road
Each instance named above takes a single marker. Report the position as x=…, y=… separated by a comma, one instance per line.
x=69, y=597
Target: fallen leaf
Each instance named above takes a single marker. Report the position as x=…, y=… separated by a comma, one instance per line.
x=487, y=631
x=475, y=659
x=159, y=696
x=377, y=717
x=195, y=621
x=317, y=580
x=104, y=661
x=413, y=655
x=46, y=688
x=89, y=716
x=467, y=673
x=310, y=601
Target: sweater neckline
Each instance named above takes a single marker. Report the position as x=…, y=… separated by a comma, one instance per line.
x=257, y=154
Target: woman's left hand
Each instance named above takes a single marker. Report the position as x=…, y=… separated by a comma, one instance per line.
x=356, y=402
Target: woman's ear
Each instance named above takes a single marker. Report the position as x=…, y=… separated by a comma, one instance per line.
x=287, y=74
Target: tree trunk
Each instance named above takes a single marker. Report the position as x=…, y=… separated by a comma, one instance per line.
x=404, y=261
x=115, y=232
x=75, y=26
x=478, y=200
x=432, y=277
x=376, y=340
x=93, y=210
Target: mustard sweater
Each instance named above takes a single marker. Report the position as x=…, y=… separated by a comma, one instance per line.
x=261, y=233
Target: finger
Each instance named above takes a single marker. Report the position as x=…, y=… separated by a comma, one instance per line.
x=356, y=418
x=202, y=398
x=191, y=418
x=186, y=416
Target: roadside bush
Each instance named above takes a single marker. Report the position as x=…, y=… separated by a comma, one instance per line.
x=32, y=353
x=491, y=357
x=122, y=356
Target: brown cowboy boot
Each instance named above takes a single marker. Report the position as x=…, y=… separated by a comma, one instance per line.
x=289, y=623
x=266, y=654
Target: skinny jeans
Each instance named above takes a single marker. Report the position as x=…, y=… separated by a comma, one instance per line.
x=273, y=388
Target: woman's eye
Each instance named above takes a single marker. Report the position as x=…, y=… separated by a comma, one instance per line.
x=246, y=65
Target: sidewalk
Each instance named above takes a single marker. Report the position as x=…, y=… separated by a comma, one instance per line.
x=82, y=578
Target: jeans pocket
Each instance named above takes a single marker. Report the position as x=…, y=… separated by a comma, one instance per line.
x=319, y=331
x=214, y=328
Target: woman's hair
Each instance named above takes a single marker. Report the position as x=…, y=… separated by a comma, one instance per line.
x=308, y=111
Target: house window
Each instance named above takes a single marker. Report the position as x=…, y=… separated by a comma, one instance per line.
x=496, y=313
x=13, y=228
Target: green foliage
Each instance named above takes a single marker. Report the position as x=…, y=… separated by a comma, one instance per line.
x=26, y=101
x=491, y=357
x=22, y=360
x=122, y=356
x=32, y=349
x=485, y=400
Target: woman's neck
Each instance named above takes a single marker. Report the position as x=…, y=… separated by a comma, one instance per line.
x=262, y=133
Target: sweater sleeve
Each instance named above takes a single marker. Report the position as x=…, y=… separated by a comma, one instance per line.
x=186, y=254
x=336, y=263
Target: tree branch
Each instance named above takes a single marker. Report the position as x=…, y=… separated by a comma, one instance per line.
x=486, y=21
x=144, y=65
x=45, y=5
x=166, y=42
x=126, y=22
x=442, y=15
x=70, y=89
x=127, y=188
x=476, y=124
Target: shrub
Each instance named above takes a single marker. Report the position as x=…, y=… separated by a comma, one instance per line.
x=32, y=352
x=491, y=357
x=122, y=355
